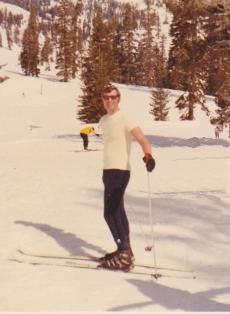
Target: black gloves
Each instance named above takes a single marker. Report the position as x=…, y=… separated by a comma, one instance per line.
x=97, y=134
x=149, y=162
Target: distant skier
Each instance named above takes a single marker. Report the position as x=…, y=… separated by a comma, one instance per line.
x=117, y=132
x=84, y=133
x=218, y=129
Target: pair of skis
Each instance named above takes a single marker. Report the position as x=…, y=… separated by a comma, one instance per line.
x=91, y=262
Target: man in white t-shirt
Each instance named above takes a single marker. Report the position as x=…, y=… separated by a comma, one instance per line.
x=117, y=131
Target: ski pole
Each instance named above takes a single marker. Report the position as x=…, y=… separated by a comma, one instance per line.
x=153, y=246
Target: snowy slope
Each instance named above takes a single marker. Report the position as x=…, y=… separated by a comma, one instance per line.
x=16, y=11
x=13, y=8
x=52, y=197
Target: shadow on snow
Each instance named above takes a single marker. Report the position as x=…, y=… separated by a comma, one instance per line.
x=69, y=241
x=162, y=141
x=176, y=299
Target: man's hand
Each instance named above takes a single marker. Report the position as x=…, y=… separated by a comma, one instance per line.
x=149, y=162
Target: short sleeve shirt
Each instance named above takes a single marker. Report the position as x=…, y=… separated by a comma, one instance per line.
x=117, y=140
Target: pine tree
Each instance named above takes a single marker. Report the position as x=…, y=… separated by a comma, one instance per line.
x=158, y=105
x=0, y=39
x=217, y=56
x=161, y=63
x=17, y=35
x=76, y=38
x=147, y=49
x=46, y=51
x=185, y=67
x=65, y=52
x=128, y=46
x=1, y=17
x=223, y=117
x=114, y=43
x=29, y=57
x=222, y=100
x=9, y=37
x=95, y=71
x=25, y=54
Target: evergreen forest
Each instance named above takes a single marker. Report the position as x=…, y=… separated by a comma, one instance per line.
x=116, y=41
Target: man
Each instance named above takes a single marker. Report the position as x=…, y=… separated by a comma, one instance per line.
x=117, y=131
x=84, y=133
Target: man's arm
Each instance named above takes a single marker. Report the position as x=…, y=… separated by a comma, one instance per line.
x=142, y=140
x=146, y=147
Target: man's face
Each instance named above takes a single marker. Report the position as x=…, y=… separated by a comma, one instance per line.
x=111, y=101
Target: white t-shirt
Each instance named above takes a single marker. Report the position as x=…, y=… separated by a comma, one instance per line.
x=117, y=140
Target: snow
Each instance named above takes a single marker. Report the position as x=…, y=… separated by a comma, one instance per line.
x=14, y=8
x=51, y=202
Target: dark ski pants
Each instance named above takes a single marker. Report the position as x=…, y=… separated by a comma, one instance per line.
x=115, y=182
x=85, y=140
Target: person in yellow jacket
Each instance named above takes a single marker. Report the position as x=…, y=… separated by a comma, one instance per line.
x=84, y=133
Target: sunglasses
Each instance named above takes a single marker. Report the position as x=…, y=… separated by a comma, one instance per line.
x=113, y=97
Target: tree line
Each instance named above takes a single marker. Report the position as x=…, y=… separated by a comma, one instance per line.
x=104, y=41
x=11, y=24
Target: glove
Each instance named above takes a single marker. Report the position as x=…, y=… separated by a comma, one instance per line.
x=97, y=134
x=149, y=162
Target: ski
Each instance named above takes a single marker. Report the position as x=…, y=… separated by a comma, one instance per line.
x=39, y=261
x=91, y=258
